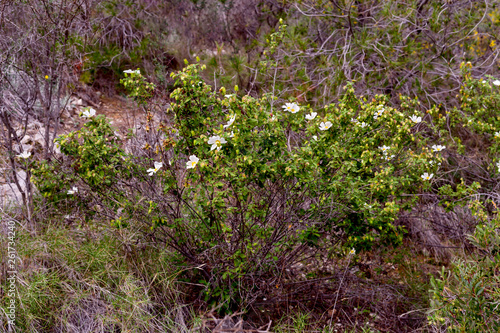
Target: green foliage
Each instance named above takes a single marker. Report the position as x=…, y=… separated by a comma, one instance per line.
x=93, y=161
x=95, y=152
x=473, y=125
x=51, y=183
x=465, y=298
x=480, y=108
x=137, y=86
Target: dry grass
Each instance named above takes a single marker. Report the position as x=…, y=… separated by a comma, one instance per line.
x=437, y=232
x=80, y=278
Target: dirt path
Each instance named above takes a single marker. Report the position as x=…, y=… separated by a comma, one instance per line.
x=122, y=112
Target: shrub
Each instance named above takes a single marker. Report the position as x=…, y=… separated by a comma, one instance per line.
x=466, y=297
x=241, y=190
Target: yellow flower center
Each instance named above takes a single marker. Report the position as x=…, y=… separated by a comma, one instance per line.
x=193, y=163
x=217, y=142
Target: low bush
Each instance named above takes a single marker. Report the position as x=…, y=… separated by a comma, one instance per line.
x=466, y=297
x=241, y=188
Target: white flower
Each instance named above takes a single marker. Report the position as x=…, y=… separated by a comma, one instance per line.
x=88, y=113
x=216, y=142
x=273, y=118
x=324, y=126
x=73, y=190
x=315, y=137
x=311, y=116
x=193, y=160
x=426, y=176
x=437, y=148
x=295, y=108
x=363, y=124
x=354, y=120
x=416, y=119
x=231, y=135
x=291, y=107
x=231, y=121
x=388, y=158
x=496, y=83
x=157, y=167
x=378, y=113
x=25, y=154
x=353, y=251
x=130, y=71
x=497, y=135
x=384, y=149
